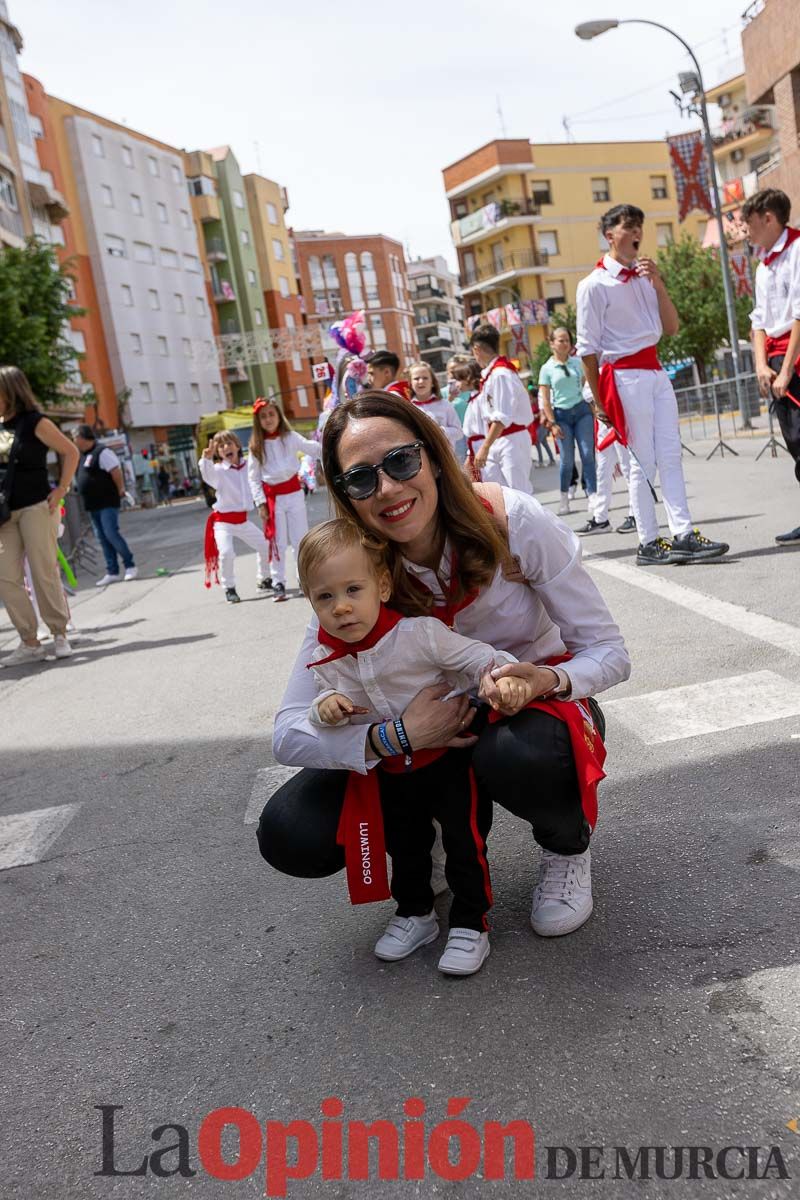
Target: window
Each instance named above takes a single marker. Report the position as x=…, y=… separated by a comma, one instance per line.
x=107, y=195
x=153, y=299
x=283, y=286
x=201, y=185
x=143, y=252
x=200, y=306
x=600, y=190
x=291, y=324
x=180, y=307
x=127, y=295
x=302, y=397
x=460, y=209
x=176, y=175
x=115, y=246
x=57, y=235
x=127, y=156
x=238, y=200
x=658, y=187
x=277, y=250
x=152, y=165
x=144, y=393
x=664, y=234
x=258, y=316
x=136, y=204
x=97, y=146
x=36, y=127
x=187, y=347
x=172, y=393
x=161, y=209
x=353, y=280
x=191, y=263
x=251, y=278
x=548, y=242
x=217, y=391
x=540, y=190
x=554, y=292
x=78, y=340
x=186, y=220
x=272, y=214
x=169, y=259
x=136, y=343
x=8, y=193
x=163, y=347
x=196, y=392
x=244, y=237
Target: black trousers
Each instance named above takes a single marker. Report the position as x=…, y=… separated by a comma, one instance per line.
x=524, y=764
x=788, y=414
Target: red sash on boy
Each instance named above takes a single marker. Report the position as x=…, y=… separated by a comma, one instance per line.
x=642, y=360
x=400, y=388
x=271, y=490
x=211, y=551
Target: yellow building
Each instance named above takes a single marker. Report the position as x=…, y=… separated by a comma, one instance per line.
x=525, y=218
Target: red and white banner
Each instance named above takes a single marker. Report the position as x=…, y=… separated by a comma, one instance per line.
x=690, y=170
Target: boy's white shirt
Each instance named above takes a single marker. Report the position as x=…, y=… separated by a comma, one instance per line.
x=616, y=319
x=232, y=486
x=503, y=398
x=417, y=652
x=777, y=288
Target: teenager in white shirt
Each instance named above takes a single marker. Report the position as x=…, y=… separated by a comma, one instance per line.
x=272, y=469
x=447, y=556
x=370, y=662
x=776, y=317
x=623, y=309
x=504, y=456
x=222, y=467
x=427, y=395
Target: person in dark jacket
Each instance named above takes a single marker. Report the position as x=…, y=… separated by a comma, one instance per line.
x=101, y=486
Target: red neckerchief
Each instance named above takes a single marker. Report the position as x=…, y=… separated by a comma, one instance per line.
x=387, y=619
x=420, y=403
x=270, y=437
x=238, y=466
x=400, y=387
x=500, y=361
x=624, y=273
x=791, y=234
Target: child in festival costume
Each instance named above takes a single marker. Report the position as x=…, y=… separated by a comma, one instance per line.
x=277, y=492
x=504, y=455
x=427, y=395
x=369, y=663
x=223, y=468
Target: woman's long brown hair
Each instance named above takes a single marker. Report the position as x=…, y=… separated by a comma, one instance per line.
x=477, y=542
x=257, y=436
x=16, y=392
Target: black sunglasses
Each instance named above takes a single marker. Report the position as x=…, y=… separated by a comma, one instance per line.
x=404, y=462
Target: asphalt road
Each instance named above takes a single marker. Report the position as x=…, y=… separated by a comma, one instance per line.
x=150, y=960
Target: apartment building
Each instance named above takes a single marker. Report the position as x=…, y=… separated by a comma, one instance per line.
x=438, y=311
x=745, y=140
x=341, y=274
x=771, y=48
x=525, y=218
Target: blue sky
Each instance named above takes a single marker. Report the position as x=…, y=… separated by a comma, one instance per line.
x=356, y=108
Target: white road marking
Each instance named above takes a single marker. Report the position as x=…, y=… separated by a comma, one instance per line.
x=267, y=781
x=701, y=708
x=734, y=616
x=25, y=837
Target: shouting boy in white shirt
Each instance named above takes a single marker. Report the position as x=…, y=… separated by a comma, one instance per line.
x=369, y=665
x=623, y=309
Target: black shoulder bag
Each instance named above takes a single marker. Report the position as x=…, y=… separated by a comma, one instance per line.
x=8, y=478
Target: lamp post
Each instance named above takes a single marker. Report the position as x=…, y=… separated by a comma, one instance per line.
x=592, y=29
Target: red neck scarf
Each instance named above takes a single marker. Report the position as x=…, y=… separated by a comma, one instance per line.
x=791, y=234
x=500, y=361
x=624, y=273
x=387, y=619
x=420, y=403
x=270, y=437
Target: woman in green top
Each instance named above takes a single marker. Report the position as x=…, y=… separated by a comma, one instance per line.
x=566, y=413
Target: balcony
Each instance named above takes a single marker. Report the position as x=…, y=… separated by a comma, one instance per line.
x=754, y=125
x=222, y=292
x=215, y=250
x=483, y=277
x=11, y=224
x=496, y=217
x=427, y=293
x=206, y=208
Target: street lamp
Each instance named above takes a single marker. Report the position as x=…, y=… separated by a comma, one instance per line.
x=592, y=29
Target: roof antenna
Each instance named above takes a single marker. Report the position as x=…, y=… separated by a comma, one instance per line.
x=500, y=117
x=567, y=130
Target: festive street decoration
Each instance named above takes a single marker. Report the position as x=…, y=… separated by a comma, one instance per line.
x=690, y=170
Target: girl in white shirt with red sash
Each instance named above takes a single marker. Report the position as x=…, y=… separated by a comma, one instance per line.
x=427, y=396
x=223, y=468
x=272, y=469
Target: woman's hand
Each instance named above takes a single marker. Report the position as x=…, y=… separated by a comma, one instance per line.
x=432, y=722
x=55, y=498
x=556, y=430
x=480, y=458
x=538, y=681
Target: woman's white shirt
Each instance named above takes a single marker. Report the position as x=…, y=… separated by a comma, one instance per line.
x=231, y=485
x=280, y=461
x=559, y=611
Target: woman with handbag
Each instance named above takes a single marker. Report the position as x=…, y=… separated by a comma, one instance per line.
x=29, y=517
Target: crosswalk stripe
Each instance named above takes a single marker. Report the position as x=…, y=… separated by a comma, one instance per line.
x=267, y=781
x=673, y=714
x=25, y=837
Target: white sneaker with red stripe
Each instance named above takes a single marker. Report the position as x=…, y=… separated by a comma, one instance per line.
x=562, y=898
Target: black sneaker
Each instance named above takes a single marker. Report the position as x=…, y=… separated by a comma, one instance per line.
x=593, y=526
x=657, y=551
x=627, y=526
x=784, y=539
x=232, y=596
x=264, y=585
x=280, y=592
x=693, y=547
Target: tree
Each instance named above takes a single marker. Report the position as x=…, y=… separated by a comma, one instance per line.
x=34, y=314
x=566, y=316
x=693, y=276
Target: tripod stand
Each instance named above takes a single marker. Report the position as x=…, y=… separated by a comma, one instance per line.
x=772, y=444
x=721, y=445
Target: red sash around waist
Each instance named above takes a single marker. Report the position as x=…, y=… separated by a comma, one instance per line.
x=210, y=550
x=271, y=490
x=642, y=360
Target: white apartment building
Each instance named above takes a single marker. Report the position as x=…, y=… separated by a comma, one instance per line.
x=438, y=311
x=148, y=274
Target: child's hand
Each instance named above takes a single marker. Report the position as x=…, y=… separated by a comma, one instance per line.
x=336, y=708
x=208, y=452
x=507, y=695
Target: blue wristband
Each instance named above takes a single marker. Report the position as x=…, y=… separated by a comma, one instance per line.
x=382, y=734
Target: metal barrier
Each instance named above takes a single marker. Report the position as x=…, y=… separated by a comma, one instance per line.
x=699, y=406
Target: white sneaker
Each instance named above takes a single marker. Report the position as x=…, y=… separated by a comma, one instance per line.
x=108, y=579
x=24, y=654
x=404, y=935
x=564, y=507
x=573, y=491
x=465, y=952
x=62, y=646
x=562, y=898
x=131, y=573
